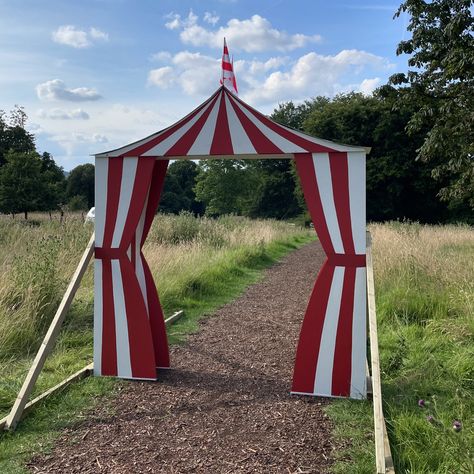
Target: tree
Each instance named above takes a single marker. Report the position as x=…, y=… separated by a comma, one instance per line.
x=178, y=193
x=54, y=184
x=225, y=186
x=80, y=182
x=21, y=186
x=13, y=135
x=441, y=84
x=398, y=186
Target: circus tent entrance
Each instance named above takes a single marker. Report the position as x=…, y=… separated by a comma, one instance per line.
x=129, y=332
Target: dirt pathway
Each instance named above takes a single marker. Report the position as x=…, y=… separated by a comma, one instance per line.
x=225, y=406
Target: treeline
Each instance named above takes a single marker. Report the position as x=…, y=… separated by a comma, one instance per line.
x=30, y=181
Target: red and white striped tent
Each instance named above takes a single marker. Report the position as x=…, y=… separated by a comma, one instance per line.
x=129, y=332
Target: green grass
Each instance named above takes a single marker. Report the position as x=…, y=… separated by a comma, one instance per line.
x=425, y=305
x=198, y=264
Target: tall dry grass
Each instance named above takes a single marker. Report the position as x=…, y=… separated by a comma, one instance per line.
x=194, y=261
x=425, y=303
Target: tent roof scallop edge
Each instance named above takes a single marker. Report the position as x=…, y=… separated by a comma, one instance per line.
x=226, y=127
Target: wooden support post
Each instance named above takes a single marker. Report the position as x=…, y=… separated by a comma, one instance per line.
x=383, y=456
x=81, y=374
x=174, y=317
x=49, y=339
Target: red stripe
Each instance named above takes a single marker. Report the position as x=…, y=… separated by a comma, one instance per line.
x=306, y=172
x=157, y=321
x=260, y=142
x=311, y=331
x=222, y=142
x=284, y=131
x=342, y=368
x=340, y=186
x=141, y=184
x=226, y=66
x=347, y=260
x=142, y=355
x=168, y=132
x=182, y=146
x=114, y=182
x=133, y=250
x=109, y=348
x=156, y=186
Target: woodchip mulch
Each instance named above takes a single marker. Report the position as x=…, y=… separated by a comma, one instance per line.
x=225, y=406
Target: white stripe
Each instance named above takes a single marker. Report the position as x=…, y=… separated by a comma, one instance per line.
x=124, y=368
x=126, y=188
x=241, y=143
x=356, y=170
x=138, y=260
x=323, y=378
x=282, y=143
x=359, y=337
x=323, y=177
x=98, y=317
x=127, y=148
x=203, y=142
x=167, y=143
x=326, y=143
x=101, y=178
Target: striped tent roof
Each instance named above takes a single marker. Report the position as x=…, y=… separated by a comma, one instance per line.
x=226, y=127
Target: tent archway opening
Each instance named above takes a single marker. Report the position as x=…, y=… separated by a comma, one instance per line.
x=129, y=333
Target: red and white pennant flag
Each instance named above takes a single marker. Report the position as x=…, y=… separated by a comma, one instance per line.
x=228, y=76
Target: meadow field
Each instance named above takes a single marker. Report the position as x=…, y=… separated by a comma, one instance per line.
x=425, y=302
x=424, y=287
x=198, y=264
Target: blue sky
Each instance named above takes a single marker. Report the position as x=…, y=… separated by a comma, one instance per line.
x=96, y=74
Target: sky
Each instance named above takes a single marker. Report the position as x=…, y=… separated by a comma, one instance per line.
x=94, y=75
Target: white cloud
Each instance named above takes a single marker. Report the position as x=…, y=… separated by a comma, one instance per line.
x=60, y=114
x=98, y=34
x=211, y=18
x=175, y=20
x=195, y=73
x=72, y=36
x=277, y=79
x=163, y=56
x=162, y=77
x=314, y=74
x=252, y=35
x=368, y=86
x=57, y=90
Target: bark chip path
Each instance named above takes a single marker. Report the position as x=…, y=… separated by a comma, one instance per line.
x=225, y=406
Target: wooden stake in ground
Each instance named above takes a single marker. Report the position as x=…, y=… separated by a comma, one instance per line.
x=383, y=456
x=49, y=339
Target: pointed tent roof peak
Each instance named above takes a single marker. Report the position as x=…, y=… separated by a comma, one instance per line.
x=225, y=126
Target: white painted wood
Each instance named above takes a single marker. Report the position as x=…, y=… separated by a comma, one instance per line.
x=359, y=337
x=49, y=339
x=322, y=170
x=239, y=138
x=202, y=144
x=124, y=365
x=324, y=368
x=357, y=185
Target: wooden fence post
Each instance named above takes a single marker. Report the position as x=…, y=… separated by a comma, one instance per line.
x=383, y=455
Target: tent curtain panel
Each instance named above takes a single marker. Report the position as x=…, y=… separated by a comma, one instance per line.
x=331, y=353
x=125, y=295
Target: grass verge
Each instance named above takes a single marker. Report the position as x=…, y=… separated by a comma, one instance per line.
x=425, y=303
